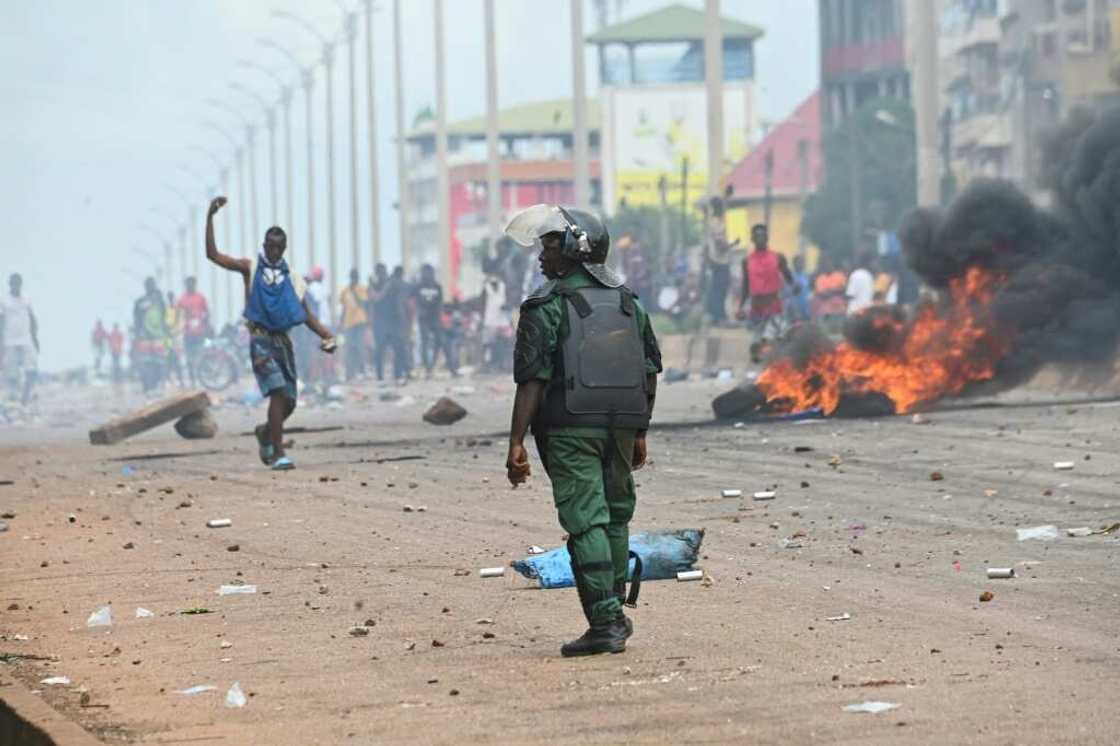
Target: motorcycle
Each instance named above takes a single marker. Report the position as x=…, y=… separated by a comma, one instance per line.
x=149, y=362
x=218, y=367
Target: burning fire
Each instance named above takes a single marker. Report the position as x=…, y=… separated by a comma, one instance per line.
x=938, y=353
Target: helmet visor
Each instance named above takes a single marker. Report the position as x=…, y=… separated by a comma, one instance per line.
x=533, y=222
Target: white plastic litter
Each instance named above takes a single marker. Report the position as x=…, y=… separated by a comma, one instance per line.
x=686, y=575
x=197, y=690
x=103, y=617
x=1063, y=465
x=731, y=493
x=491, y=572
x=1083, y=531
x=842, y=618
x=997, y=573
x=536, y=550
x=56, y=681
x=872, y=707
x=236, y=590
x=142, y=613
x=1042, y=533
x=219, y=523
x=235, y=697
x=765, y=495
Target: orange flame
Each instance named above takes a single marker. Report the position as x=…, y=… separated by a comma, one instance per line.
x=940, y=352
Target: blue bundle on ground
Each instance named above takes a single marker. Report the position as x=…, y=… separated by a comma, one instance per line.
x=663, y=553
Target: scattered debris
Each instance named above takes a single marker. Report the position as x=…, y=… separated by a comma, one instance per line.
x=195, y=611
x=408, y=509
x=154, y=415
x=55, y=681
x=997, y=573
x=359, y=630
x=986, y=596
x=235, y=697
x=3, y=527
x=1063, y=466
x=534, y=549
x=233, y=548
x=920, y=419
x=71, y=518
x=219, y=523
x=142, y=613
x=103, y=617
x=1041, y=533
x=1079, y=532
x=491, y=572
x=936, y=476
x=731, y=493
x=199, y=689
x=236, y=590
x=791, y=543
x=842, y=618
x=687, y=575
x=444, y=412
x=1108, y=529
x=765, y=495
x=873, y=708
x=197, y=426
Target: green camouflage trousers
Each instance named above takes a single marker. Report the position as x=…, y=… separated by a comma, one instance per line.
x=593, y=490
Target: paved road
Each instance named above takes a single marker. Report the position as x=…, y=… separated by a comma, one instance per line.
x=749, y=657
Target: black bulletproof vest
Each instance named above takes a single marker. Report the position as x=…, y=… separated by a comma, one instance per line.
x=600, y=380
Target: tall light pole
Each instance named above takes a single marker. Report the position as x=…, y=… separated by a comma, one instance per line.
x=371, y=132
x=270, y=123
x=493, y=157
x=402, y=167
x=192, y=222
x=350, y=26
x=286, y=108
x=165, y=244
x=250, y=144
x=328, y=68
x=243, y=248
x=582, y=169
x=196, y=252
x=308, y=80
x=223, y=173
x=713, y=82
x=443, y=176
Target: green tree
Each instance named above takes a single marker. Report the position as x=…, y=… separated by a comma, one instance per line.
x=881, y=135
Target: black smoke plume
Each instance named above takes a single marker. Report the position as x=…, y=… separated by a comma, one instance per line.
x=1060, y=299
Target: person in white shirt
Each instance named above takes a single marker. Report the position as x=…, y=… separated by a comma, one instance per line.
x=19, y=340
x=861, y=287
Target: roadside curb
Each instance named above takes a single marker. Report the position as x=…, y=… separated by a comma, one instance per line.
x=26, y=720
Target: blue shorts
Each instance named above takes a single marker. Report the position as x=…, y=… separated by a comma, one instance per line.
x=274, y=363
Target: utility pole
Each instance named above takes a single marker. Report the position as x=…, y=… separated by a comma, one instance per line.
x=332, y=245
x=286, y=102
x=802, y=192
x=351, y=27
x=443, y=180
x=402, y=172
x=308, y=80
x=582, y=169
x=663, y=222
x=371, y=129
x=921, y=35
x=493, y=157
x=713, y=82
x=254, y=216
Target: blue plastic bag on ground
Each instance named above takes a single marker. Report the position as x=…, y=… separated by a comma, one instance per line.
x=663, y=553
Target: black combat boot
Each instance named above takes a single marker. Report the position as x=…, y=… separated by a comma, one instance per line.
x=599, y=638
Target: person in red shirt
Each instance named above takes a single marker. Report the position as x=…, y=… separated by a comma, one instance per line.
x=764, y=274
x=116, y=349
x=196, y=324
x=99, y=339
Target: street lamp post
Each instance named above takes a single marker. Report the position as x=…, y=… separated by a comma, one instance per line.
x=223, y=173
x=286, y=108
x=250, y=140
x=167, y=252
x=402, y=171
x=270, y=123
x=192, y=222
x=371, y=127
x=351, y=30
x=328, y=69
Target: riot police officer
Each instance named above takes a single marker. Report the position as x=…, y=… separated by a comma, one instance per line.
x=586, y=364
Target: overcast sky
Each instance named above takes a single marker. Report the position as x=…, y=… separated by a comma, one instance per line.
x=105, y=102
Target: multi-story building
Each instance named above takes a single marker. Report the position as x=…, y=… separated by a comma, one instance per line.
x=654, y=105
x=863, y=55
x=535, y=146
x=1010, y=69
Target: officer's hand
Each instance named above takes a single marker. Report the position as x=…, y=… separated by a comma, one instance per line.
x=639, y=458
x=517, y=464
